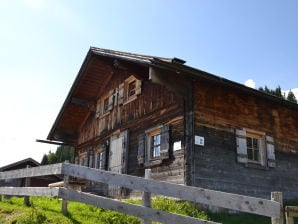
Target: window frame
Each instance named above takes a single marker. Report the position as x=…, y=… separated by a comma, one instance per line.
x=127, y=98
x=260, y=148
x=266, y=147
x=150, y=143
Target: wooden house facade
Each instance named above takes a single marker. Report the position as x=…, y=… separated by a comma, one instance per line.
x=128, y=112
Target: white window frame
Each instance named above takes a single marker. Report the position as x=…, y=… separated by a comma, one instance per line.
x=266, y=157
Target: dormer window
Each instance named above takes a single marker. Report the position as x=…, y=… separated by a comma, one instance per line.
x=129, y=90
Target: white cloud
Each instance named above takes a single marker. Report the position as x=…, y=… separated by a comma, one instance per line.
x=250, y=83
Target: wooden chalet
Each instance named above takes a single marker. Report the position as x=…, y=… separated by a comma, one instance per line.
x=128, y=112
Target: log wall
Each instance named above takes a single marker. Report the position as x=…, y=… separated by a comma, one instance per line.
x=218, y=112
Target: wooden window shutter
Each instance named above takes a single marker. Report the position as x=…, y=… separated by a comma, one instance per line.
x=138, y=87
x=121, y=94
x=241, y=146
x=91, y=158
x=125, y=151
x=111, y=100
x=98, y=108
x=164, y=142
x=141, y=148
x=270, y=151
x=103, y=159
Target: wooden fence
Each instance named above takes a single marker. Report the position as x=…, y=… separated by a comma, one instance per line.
x=271, y=208
x=291, y=212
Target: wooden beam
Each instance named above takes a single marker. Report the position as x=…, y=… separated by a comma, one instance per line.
x=292, y=211
x=30, y=191
x=32, y=172
x=193, y=194
x=51, y=142
x=130, y=209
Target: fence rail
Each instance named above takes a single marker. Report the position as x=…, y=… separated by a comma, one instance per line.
x=291, y=212
x=237, y=202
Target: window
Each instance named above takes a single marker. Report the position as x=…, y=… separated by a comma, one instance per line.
x=100, y=160
x=129, y=90
x=105, y=104
x=255, y=147
x=154, y=145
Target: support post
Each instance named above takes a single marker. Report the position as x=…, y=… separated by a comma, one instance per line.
x=146, y=197
x=27, y=184
x=277, y=196
x=64, y=201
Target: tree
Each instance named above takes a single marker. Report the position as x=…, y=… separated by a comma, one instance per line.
x=62, y=153
x=45, y=160
x=291, y=97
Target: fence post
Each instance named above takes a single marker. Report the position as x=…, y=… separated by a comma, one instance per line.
x=65, y=185
x=27, y=184
x=277, y=196
x=146, y=197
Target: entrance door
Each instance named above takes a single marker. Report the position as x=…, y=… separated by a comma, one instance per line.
x=117, y=159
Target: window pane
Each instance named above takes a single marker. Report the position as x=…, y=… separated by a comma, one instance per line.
x=249, y=154
x=249, y=142
x=131, y=88
x=255, y=143
x=256, y=155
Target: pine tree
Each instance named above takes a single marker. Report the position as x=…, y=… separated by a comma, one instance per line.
x=45, y=160
x=291, y=97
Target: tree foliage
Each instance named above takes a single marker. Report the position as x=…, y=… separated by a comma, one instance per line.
x=291, y=97
x=278, y=93
x=62, y=153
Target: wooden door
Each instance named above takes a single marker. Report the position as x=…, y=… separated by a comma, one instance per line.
x=117, y=159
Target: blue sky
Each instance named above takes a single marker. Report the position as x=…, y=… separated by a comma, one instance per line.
x=43, y=44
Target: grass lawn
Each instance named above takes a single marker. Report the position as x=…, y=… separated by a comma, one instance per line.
x=48, y=211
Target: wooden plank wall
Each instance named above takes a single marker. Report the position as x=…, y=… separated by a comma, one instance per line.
x=155, y=106
x=224, y=108
x=218, y=112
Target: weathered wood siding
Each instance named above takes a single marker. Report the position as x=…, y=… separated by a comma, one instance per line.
x=155, y=106
x=218, y=112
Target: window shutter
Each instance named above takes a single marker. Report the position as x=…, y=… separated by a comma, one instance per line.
x=241, y=146
x=102, y=158
x=270, y=151
x=164, y=141
x=98, y=107
x=111, y=100
x=91, y=155
x=125, y=151
x=138, y=87
x=141, y=149
x=121, y=94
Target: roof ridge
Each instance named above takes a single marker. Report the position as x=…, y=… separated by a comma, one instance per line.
x=104, y=51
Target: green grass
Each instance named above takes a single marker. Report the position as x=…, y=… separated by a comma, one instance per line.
x=44, y=210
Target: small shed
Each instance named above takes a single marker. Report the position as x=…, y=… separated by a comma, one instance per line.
x=42, y=181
